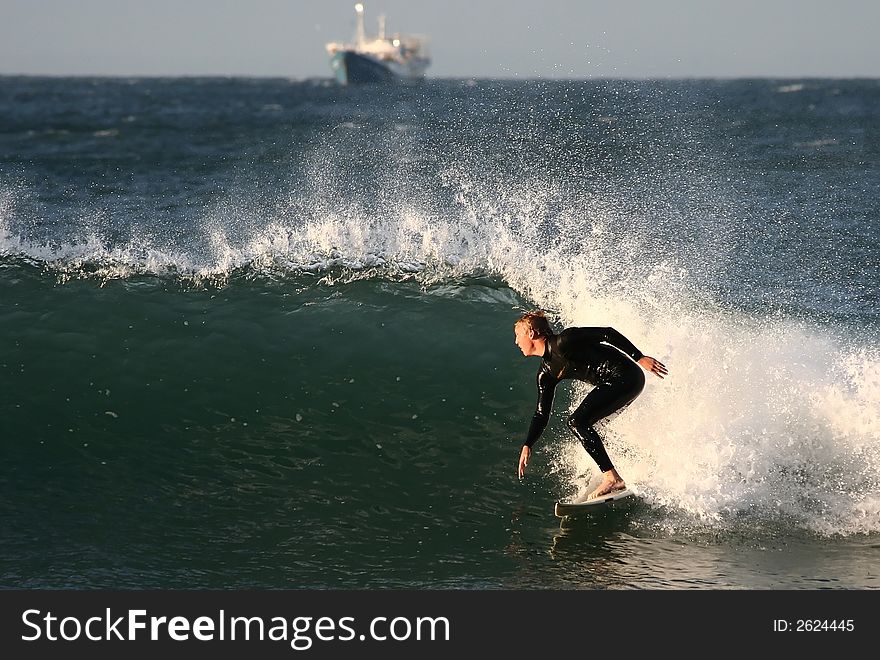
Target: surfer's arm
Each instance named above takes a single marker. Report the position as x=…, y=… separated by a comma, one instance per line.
x=571, y=340
x=546, y=388
x=613, y=337
x=647, y=363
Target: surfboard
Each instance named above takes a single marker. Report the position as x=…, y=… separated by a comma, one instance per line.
x=562, y=509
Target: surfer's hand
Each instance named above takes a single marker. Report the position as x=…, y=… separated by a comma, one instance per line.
x=524, y=460
x=654, y=366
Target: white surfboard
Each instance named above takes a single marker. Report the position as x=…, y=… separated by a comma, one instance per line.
x=563, y=509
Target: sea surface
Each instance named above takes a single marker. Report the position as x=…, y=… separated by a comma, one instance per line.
x=259, y=332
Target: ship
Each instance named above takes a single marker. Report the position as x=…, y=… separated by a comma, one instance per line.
x=383, y=59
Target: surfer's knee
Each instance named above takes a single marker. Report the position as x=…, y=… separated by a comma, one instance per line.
x=579, y=424
x=582, y=418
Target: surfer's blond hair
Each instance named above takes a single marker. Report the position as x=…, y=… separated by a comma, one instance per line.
x=536, y=321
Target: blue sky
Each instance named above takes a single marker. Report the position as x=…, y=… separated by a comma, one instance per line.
x=468, y=38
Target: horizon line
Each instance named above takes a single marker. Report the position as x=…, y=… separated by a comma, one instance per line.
x=451, y=78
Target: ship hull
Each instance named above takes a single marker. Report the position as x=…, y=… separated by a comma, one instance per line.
x=350, y=67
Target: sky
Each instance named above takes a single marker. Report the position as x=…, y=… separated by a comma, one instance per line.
x=468, y=38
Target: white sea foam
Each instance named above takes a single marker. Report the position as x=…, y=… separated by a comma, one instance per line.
x=789, y=89
x=773, y=420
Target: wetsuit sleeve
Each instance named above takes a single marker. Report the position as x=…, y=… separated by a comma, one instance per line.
x=546, y=388
x=572, y=339
x=617, y=340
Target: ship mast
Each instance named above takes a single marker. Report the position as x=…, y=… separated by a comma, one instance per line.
x=359, y=8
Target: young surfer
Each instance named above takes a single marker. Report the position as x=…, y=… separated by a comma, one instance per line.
x=600, y=356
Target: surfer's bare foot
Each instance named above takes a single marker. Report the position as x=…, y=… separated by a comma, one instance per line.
x=611, y=481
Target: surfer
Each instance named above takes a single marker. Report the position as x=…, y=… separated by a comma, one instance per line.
x=600, y=356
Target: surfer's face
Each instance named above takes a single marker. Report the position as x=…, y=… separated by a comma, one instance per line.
x=524, y=338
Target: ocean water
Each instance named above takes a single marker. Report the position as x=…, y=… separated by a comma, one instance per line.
x=258, y=332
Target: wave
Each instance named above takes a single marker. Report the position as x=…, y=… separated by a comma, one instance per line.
x=762, y=418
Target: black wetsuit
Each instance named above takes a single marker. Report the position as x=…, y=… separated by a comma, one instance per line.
x=585, y=354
